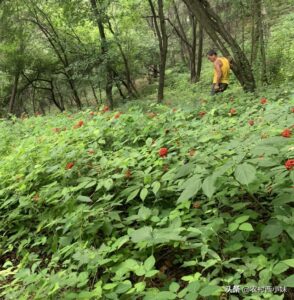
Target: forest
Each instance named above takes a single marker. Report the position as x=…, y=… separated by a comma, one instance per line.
x=146, y=149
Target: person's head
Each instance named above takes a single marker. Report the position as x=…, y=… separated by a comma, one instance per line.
x=212, y=55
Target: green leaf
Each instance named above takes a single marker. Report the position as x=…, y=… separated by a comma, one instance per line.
x=289, y=262
x=210, y=290
x=271, y=231
x=123, y=287
x=144, y=213
x=208, y=186
x=155, y=187
x=151, y=273
x=242, y=219
x=165, y=295
x=149, y=263
x=84, y=199
x=264, y=150
x=289, y=281
x=280, y=268
x=108, y=184
x=165, y=235
x=292, y=176
x=184, y=171
x=140, y=286
x=142, y=234
x=133, y=195
x=110, y=286
x=192, y=186
x=245, y=173
x=233, y=226
x=246, y=227
x=143, y=194
x=174, y=287
x=149, y=142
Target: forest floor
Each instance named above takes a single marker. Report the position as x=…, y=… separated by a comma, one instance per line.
x=171, y=201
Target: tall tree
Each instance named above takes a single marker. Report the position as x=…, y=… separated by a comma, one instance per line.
x=163, y=44
x=99, y=13
x=46, y=26
x=258, y=37
x=214, y=27
x=129, y=83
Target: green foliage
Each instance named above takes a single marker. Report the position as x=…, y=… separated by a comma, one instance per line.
x=93, y=211
x=281, y=50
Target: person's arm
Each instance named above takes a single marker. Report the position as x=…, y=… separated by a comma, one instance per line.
x=217, y=66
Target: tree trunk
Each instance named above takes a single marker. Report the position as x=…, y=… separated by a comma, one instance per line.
x=130, y=85
x=254, y=33
x=98, y=13
x=13, y=94
x=60, y=97
x=214, y=27
x=33, y=93
x=120, y=90
x=193, y=75
x=260, y=27
x=186, y=46
x=182, y=51
x=163, y=44
x=199, y=54
x=57, y=104
x=94, y=94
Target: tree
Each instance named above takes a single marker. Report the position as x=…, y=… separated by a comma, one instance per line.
x=214, y=27
x=46, y=26
x=99, y=14
x=163, y=44
x=258, y=37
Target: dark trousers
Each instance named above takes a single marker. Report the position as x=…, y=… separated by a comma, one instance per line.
x=222, y=87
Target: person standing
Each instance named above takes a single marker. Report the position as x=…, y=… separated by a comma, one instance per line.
x=221, y=72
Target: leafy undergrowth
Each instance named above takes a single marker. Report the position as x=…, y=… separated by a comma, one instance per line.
x=165, y=204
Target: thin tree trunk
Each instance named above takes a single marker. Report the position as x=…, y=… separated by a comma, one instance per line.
x=131, y=87
x=193, y=75
x=57, y=104
x=163, y=44
x=260, y=27
x=34, y=100
x=60, y=97
x=13, y=94
x=199, y=54
x=120, y=90
x=100, y=93
x=94, y=94
x=182, y=51
x=86, y=98
x=41, y=108
x=254, y=32
x=104, y=49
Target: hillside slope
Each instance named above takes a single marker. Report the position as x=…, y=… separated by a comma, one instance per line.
x=164, y=204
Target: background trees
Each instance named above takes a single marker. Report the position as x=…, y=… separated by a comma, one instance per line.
x=60, y=55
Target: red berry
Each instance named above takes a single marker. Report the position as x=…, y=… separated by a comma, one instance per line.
x=289, y=164
x=286, y=133
x=69, y=165
x=233, y=111
x=163, y=152
x=263, y=100
x=128, y=174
